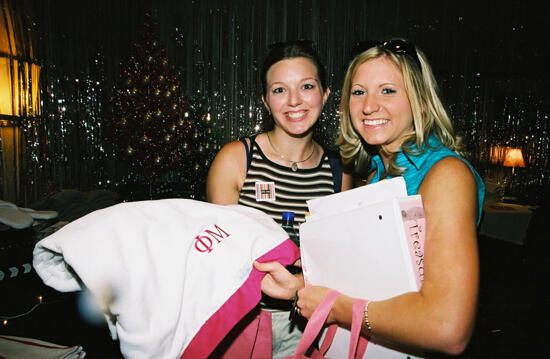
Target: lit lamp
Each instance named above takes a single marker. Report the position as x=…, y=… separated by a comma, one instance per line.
x=513, y=158
x=502, y=157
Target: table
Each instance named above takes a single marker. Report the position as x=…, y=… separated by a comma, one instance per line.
x=505, y=221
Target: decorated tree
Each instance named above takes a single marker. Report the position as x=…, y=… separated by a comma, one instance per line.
x=153, y=121
x=197, y=150
x=201, y=144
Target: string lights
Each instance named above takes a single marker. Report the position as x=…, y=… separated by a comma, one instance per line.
x=39, y=301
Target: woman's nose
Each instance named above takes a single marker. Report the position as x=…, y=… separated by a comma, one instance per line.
x=370, y=105
x=294, y=98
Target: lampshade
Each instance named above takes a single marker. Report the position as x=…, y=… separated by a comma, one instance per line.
x=514, y=158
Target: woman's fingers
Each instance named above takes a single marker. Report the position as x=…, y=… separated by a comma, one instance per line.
x=268, y=266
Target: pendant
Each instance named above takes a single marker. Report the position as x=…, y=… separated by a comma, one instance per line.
x=294, y=166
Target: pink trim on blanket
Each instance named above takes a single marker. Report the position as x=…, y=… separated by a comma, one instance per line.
x=238, y=305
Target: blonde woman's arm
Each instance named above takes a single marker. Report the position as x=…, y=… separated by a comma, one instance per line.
x=441, y=316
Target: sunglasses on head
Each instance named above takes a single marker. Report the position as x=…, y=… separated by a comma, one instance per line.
x=397, y=46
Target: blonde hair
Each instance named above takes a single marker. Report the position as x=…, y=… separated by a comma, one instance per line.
x=429, y=114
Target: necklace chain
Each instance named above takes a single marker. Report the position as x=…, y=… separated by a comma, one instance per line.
x=293, y=164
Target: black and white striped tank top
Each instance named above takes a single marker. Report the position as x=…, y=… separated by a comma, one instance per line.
x=291, y=189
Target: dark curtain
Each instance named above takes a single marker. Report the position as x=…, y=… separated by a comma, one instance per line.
x=490, y=59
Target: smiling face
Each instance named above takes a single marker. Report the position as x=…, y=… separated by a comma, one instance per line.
x=294, y=95
x=379, y=106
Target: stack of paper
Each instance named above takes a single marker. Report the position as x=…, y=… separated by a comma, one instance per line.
x=368, y=243
x=28, y=348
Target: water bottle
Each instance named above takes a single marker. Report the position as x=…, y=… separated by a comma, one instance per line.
x=288, y=226
x=283, y=304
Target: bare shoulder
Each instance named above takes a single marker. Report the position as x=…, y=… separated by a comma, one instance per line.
x=226, y=174
x=234, y=149
x=450, y=188
x=451, y=170
x=230, y=160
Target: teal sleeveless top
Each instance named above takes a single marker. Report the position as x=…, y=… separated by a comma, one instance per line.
x=419, y=163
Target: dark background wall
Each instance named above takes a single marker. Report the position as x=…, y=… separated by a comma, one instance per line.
x=490, y=58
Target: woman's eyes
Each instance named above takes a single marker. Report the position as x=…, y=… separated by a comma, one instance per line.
x=360, y=92
x=304, y=86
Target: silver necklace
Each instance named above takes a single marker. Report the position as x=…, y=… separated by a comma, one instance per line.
x=293, y=164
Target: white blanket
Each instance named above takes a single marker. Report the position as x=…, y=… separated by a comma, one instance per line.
x=176, y=274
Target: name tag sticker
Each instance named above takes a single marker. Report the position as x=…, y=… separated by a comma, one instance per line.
x=265, y=191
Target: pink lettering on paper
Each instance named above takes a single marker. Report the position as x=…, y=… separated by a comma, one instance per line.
x=414, y=222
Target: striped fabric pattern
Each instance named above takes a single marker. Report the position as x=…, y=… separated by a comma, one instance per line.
x=292, y=189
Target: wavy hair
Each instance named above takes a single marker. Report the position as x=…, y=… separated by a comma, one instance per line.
x=429, y=115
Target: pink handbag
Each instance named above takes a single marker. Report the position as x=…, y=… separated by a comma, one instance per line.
x=357, y=345
x=250, y=339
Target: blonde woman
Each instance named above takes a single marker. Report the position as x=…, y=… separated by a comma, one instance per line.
x=393, y=123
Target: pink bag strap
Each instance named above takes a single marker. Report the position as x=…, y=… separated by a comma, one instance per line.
x=357, y=343
x=316, y=323
x=329, y=337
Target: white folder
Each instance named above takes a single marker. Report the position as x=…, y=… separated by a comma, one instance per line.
x=367, y=243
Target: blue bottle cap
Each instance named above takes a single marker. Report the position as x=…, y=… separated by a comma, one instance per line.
x=288, y=216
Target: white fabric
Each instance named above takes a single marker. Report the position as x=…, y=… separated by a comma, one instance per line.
x=141, y=260
x=20, y=217
x=13, y=217
x=39, y=214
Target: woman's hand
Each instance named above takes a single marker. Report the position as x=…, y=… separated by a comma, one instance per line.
x=278, y=282
x=309, y=298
